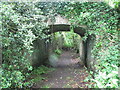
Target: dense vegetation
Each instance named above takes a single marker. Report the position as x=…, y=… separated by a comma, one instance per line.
x=22, y=23
x=67, y=40
x=102, y=21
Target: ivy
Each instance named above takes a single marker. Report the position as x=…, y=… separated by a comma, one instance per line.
x=22, y=23
x=102, y=21
x=20, y=27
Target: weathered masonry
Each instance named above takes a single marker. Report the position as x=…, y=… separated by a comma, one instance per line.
x=62, y=24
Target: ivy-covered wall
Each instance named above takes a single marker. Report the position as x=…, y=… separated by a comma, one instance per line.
x=23, y=23
x=102, y=20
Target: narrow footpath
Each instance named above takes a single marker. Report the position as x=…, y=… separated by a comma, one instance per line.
x=69, y=73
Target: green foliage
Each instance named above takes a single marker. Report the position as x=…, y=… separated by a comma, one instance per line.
x=52, y=8
x=69, y=39
x=113, y=3
x=102, y=21
x=22, y=23
x=37, y=74
x=11, y=78
x=58, y=51
x=41, y=70
x=47, y=86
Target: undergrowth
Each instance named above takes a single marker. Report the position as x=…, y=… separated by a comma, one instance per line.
x=37, y=75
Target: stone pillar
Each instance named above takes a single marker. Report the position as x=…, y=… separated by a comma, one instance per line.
x=82, y=52
x=40, y=52
x=89, y=46
x=85, y=52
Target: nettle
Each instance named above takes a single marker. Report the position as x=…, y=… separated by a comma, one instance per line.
x=22, y=23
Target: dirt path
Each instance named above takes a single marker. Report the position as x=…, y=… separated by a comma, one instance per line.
x=68, y=74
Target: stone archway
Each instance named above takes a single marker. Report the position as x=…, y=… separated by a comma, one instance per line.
x=85, y=47
x=62, y=24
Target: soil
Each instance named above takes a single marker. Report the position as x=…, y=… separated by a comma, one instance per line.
x=69, y=73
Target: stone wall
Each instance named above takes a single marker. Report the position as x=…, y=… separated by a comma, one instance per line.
x=89, y=59
x=85, y=51
x=40, y=54
x=41, y=49
x=81, y=51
